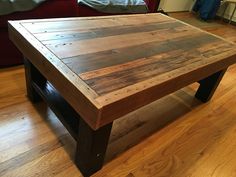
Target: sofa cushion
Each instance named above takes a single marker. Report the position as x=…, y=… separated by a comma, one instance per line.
x=10, y=6
x=117, y=6
x=48, y=9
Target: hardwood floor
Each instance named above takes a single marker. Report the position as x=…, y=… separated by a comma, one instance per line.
x=217, y=27
x=176, y=136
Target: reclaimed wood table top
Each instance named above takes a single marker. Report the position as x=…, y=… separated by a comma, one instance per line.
x=106, y=67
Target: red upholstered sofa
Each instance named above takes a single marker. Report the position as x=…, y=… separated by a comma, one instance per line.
x=84, y=11
x=9, y=55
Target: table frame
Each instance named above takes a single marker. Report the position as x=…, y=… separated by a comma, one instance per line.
x=90, y=151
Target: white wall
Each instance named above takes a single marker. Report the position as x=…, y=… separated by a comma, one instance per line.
x=176, y=5
x=228, y=12
x=186, y=5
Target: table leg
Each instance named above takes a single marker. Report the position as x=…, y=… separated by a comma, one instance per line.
x=223, y=14
x=232, y=13
x=32, y=75
x=209, y=85
x=91, y=147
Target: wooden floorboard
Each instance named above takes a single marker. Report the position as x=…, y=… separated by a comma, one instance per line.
x=176, y=136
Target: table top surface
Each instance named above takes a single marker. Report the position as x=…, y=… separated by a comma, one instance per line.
x=106, y=67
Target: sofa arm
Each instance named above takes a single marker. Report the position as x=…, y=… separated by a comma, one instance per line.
x=152, y=5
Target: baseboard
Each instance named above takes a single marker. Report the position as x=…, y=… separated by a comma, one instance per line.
x=177, y=11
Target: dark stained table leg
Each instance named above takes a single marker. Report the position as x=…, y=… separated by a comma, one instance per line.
x=91, y=144
x=208, y=86
x=32, y=75
x=91, y=148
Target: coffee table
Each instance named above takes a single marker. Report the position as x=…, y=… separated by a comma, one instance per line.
x=91, y=71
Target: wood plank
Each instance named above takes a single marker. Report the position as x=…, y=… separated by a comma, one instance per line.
x=55, y=158
x=185, y=147
x=147, y=58
x=149, y=68
x=87, y=23
x=69, y=36
x=108, y=58
x=75, y=48
x=106, y=97
x=28, y=156
x=13, y=93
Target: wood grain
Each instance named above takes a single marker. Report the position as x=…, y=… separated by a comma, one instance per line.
x=198, y=140
x=12, y=93
x=102, y=64
x=53, y=38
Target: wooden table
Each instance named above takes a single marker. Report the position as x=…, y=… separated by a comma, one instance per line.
x=102, y=68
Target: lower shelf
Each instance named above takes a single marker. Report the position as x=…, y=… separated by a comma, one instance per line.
x=65, y=113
